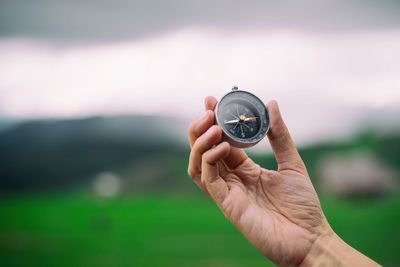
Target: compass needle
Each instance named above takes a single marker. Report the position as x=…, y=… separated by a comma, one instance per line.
x=231, y=121
x=250, y=119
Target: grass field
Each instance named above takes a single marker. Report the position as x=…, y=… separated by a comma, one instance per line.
x=76, y=229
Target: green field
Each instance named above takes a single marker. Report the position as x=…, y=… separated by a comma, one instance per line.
x=165, y=230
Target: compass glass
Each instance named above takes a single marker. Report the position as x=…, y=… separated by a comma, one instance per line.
x=242, y=117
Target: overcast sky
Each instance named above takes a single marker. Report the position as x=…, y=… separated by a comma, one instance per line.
x=104, y=20
x=332, y=65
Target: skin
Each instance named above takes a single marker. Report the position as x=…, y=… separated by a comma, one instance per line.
x=277, y=211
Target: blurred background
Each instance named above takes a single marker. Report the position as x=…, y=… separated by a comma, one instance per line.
x=96, y=97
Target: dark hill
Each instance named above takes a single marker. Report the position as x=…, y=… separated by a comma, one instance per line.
x=146, y=152
x=57, y=153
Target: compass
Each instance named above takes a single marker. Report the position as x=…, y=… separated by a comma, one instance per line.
x=243, y=118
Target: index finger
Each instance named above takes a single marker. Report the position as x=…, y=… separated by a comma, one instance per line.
x=201, y=125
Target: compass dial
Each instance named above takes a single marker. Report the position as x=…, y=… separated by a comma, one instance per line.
x=243, y=118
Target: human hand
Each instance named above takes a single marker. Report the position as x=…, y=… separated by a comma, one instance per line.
x=277, y=211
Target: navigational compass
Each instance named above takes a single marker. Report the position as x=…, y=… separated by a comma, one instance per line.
x=243, y=118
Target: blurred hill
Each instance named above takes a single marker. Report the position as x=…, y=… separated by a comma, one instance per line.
x=147, y=153
x=56, y=153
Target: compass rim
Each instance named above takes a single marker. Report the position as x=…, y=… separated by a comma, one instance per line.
x=234, y=140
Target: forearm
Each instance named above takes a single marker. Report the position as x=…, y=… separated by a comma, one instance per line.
x=331, y=250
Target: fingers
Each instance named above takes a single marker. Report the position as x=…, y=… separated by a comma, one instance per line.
x=284, y=149
x=237, y=156
x=199, y=126
x=211, y=137
x=216, y=186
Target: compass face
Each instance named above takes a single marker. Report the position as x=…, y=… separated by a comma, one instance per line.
x=243, y=118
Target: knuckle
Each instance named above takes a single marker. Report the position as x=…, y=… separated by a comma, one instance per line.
x=190, y=172
x=299, y=165
x=197, y=145
x=204, y=156
x=209, y=113
x=191, y=127
x=202, y=143
x=193, y=173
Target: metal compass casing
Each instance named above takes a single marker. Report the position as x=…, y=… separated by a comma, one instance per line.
x=243, y=118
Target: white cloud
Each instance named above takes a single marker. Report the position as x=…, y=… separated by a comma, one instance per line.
x=316, y=78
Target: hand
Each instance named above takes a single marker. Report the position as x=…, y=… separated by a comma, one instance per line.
x=277, y=211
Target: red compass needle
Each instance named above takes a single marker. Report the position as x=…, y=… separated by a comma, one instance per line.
x=250, y=119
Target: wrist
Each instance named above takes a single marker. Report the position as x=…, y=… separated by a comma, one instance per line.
x=329, y=249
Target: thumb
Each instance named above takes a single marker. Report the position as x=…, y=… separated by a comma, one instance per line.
x=282, y=144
